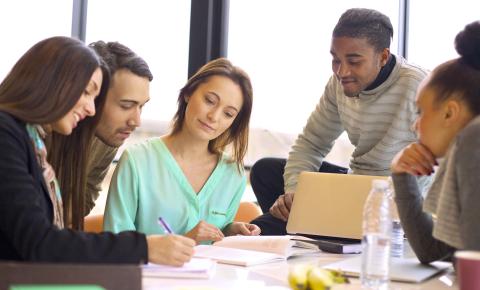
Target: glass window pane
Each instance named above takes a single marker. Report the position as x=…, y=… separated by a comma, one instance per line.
x=284, y=46
x=433, y=27
x=158, y=31
x=25, y=22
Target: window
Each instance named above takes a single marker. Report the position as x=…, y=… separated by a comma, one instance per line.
x=25, y=22
x=158, y=31
x=284, y=46
x=433, y=27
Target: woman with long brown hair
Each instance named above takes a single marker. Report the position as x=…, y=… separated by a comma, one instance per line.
x=52, y=88
x=186, y=177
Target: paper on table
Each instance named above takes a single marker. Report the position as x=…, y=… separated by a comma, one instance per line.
x=401, y=269
x=236, y=256
x=225, y=283
x=196, y=268
x=253, y=250
x=281, y=245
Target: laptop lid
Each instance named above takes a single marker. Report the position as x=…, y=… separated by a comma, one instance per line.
x=328, y=204
x=401, y=269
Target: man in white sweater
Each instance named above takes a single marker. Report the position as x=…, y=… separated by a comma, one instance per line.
x=371, y=96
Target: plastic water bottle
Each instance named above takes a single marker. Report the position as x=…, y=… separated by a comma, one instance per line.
x=397, y=243
x=377, y=229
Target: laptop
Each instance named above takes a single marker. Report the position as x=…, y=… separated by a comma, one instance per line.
x=401, y=269
x=329, y=205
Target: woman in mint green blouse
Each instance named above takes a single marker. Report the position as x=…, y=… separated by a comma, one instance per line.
x=185, y=177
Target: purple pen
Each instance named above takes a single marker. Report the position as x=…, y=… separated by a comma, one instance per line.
x=164, y=225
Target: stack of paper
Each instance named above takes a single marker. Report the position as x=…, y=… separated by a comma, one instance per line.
x=253, y=250
x=196, y=268
x=236, y=256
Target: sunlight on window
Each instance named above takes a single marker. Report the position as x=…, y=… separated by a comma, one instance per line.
x=431, y=40
x=284, y=46
x=158, y=31
x=25, y=22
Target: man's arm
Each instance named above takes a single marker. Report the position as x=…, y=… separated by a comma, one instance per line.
x=123, y=196
x=101, y=157
x=322, y=129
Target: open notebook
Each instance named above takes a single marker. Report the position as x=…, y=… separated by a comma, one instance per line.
x=254, y=250
x=401, y=269
x=196, y=268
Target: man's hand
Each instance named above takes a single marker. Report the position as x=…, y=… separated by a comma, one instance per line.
x=281, y=208
x=244, y=229
x=205, y=232
x=173, y=250
x=415, y=159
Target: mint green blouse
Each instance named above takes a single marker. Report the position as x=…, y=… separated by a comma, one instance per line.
x=148, y=184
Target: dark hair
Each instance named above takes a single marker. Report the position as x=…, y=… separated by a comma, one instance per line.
x=69, y=156
x=365, y=23
x=460, y=78
x=43, y=86
x=117, y=56
x=48, y=80
x=71, y=166
x=238, y=131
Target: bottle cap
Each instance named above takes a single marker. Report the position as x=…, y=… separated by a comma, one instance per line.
x=380, y=184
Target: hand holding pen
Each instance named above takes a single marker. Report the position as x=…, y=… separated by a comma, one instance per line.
x=169, y=249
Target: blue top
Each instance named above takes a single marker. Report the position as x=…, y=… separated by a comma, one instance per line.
x=148, y=184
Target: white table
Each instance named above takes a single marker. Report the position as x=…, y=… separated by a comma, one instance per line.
x=273, y=276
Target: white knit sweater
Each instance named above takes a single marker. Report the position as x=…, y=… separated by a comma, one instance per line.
x=378, y=123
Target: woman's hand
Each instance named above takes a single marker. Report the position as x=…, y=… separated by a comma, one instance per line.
x=415, y=159
x=171, y=250
x=244, y=229
x=205, y=232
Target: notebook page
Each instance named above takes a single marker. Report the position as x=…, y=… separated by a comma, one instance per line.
x=279, y=245
x=401, y=269
x=196, y=268
x=234, y=256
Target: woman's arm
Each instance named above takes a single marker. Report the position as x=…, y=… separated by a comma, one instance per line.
x=417, y=224
x=122, y=200
x=238, y=228
x=26, y=229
